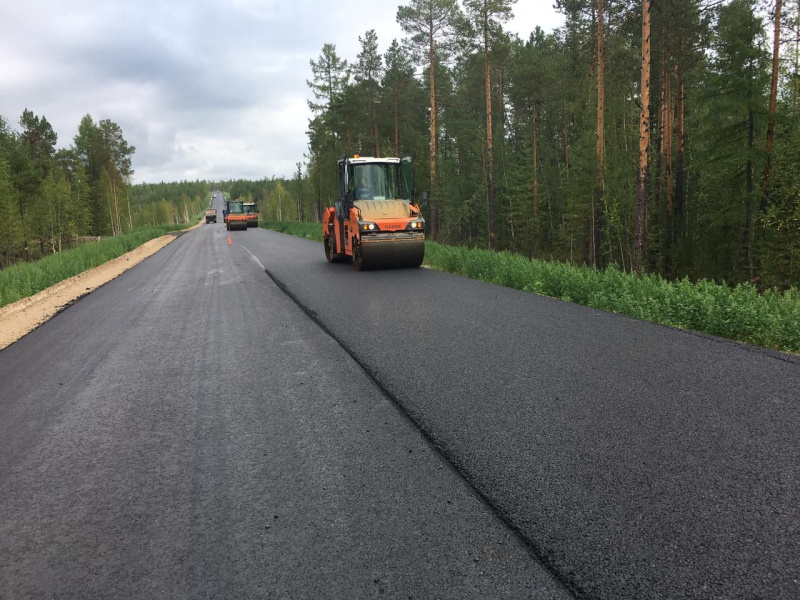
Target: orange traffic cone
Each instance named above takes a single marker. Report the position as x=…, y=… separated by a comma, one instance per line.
x=229, y=241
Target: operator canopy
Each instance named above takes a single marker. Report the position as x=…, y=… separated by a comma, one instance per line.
x=379, y=179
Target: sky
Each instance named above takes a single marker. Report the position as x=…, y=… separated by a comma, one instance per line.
x=202, y=89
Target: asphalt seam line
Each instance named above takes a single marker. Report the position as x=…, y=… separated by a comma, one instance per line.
x=442, y=451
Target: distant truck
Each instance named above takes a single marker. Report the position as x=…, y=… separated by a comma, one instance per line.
x=251, y=212
x=211, y=216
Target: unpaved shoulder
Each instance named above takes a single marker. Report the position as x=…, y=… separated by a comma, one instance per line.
x=22, y=317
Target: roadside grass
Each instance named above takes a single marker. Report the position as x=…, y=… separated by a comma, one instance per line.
x=21, y=280
x=310, y=231
x=770, y=319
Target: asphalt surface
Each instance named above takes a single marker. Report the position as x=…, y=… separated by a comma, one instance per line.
x=187, y=431
x=637, y=461
x=192, y=429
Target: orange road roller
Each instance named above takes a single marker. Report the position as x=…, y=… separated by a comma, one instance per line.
x=236, y=218
x=251, y=212
x=376, y=222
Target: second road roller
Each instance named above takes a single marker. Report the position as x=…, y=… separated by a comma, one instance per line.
x=376, y=220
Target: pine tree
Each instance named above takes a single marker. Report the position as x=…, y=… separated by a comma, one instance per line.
x=367, y=73
x=486, y=18
x=330, y=76
x=644, y=143
x=398, y=85
x=430, y=23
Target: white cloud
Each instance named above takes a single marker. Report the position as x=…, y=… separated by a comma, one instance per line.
x=203, y=89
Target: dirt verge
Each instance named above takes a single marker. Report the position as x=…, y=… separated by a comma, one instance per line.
x=21, y=317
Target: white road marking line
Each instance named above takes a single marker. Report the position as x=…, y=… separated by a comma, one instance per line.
x=254, y=258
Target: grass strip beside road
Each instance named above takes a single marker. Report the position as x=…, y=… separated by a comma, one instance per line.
x=770, y=319
x=310, y=231
x=22, y=280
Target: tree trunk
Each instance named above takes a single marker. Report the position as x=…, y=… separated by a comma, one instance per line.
x=130, y=217
x=668, y=147
x=667, y=160
x=597, y=196
x=679, y=171
x=535, y=172
x=111, y=212
x=661, y=121
x=565, y=136
x=375, y=132
x=773, y=96
x=489, y=153
x=644, y=144
x=330, y=110
x=114, y=230
x=434, y=201
x=748, y=200
x=501, y=94
x=396, y=127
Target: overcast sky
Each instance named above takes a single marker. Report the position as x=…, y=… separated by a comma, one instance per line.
x=203, y=89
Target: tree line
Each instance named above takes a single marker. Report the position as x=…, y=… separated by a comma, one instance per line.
x=50, y=199
x=657, y=136
x=170, y=203
x=276, y=199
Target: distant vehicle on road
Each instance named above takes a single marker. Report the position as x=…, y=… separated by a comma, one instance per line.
x=211, y=216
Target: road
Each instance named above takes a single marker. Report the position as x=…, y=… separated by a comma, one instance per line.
x=187, y=431
x=202, y=427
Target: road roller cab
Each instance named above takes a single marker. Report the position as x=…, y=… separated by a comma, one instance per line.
x=251, y=211
x=376, y=220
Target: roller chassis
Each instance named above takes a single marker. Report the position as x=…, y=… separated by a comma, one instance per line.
x=396, y=248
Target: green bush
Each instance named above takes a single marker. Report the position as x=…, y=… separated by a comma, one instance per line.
x=21, y=280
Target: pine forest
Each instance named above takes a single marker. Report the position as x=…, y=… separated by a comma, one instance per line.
x=656, y=136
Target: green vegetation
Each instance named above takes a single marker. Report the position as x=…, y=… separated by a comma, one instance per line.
x=50, y=199
x=22, y=280
x=311, y=231
x=168, y=203
x=547, y=165
x=770, y=319
x=276, y=199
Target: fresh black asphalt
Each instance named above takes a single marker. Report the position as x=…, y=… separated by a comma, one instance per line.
x=638, y=461
x=186, y=431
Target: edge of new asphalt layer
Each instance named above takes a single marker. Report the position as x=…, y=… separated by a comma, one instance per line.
x=449, y=458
